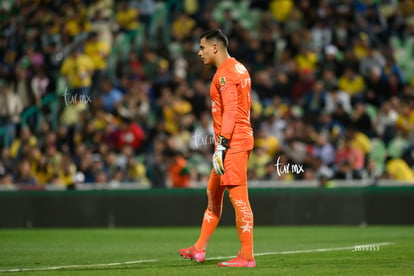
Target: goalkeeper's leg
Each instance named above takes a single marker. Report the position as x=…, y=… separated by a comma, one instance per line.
x=212, y=214
x=244, y=219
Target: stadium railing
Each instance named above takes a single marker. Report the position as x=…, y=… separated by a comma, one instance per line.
x=49, y=101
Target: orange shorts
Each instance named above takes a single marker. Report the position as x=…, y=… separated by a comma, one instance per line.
x=235, y=165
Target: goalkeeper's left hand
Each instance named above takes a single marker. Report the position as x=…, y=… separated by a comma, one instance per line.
x=219, y=154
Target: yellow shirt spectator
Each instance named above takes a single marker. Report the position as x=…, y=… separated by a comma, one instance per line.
x=281, y=9
x=73, y=27
x=351, y=83
x=259, y=161
x=78, y=69
x=98, y=51
x=25, y=138
x=399, y=170
x=71, y=114
x=137, y=172
x=405, y=120
x=127, y=18
x=67, y=176
x=362, y=142
x=42, y=173
x=306, y=60
x=182, y=26
x=173, y=113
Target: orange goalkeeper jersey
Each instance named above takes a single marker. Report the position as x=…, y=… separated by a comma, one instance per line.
x=231, y=101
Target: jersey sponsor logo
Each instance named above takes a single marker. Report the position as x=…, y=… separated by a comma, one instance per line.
x=246, y=82
x=222, y=80
x=240, y=68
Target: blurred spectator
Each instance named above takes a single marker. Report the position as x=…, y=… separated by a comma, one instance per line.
x=302, y=85
x=23, y=90
x=281, y=9
x=102, y=22
x=384, y=124
x=67, y=171
x=315, y=101
x=330, y=60
x=345, y=171
x=202, y=138
x=373, y=59
x=352, y=83
x=361, y=119
x=258, y=163
x=98, y=51
x=200, y=101
x=182, y=26
x=135, y=172
x=377, y=89
x=109, y=96
x=40, y=84
x=336, y=97
x=405, y=120
x=177, y=169
x=306, y=60
x=131, y=134
x=341, y=116
x=11, y=107
x=25, y=138
x=408, y=156
x=295, y=150
x=324, y=150
x=341, y=36
x=349, y=161
x=42, y=171
x=312, y=84
x=321, y=35
x=23, y=176
x=78, y=69
x=282, y=86
x=397, y=168
x=127, y=17
x=359, y=140
x=72, y=111
x=146, y=9
x=322, y=171
x=6, y=181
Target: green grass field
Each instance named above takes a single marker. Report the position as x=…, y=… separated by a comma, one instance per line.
x=307, y=250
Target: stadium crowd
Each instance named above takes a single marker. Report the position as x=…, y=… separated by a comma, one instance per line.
x=332, y=90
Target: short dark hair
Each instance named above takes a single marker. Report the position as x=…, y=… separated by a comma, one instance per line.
x=216, y=34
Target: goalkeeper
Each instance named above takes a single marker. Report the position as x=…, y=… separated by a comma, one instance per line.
x=231, y=100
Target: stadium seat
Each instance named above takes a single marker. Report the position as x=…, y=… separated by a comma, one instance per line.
x=397, y=146
x=379, y=153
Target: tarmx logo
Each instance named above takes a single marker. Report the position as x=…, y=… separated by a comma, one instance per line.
x=282, y=168
x=76, y=95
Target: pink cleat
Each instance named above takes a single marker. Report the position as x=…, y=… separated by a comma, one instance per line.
x=238, y=262
x=193, y=254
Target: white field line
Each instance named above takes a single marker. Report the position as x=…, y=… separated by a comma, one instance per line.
x=75, y=266
x=51, y=268
x=308, y=250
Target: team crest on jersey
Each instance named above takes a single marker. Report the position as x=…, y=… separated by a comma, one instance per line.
x=240, y=68
x=222, y=81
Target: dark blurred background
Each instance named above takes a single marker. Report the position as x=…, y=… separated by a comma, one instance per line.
x=112, y=93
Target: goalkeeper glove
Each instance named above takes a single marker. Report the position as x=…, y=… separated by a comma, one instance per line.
x=219, y=154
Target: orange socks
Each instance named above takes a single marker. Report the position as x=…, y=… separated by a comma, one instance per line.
x=244, y=219
x=212, y=214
